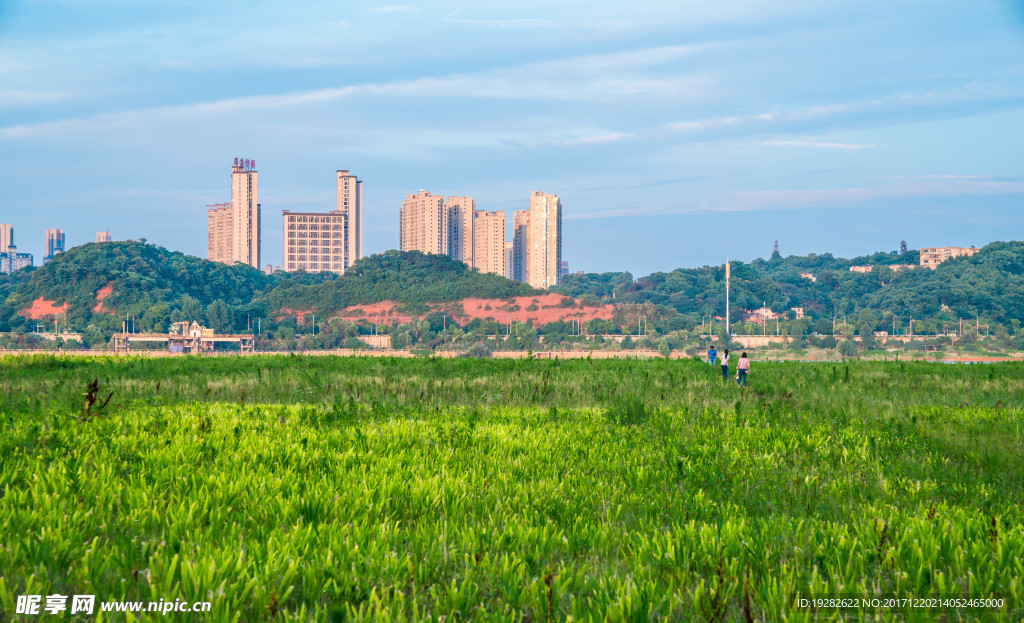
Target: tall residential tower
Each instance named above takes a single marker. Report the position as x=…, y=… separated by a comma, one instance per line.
x=54, y=243
x=423, y=224
x=537, y=241
x=234, y=228
x=331, y=241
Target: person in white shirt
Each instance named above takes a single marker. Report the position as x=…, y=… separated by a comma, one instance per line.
x=725, y=364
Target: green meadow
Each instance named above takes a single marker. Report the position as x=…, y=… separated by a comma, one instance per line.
x=330, y=489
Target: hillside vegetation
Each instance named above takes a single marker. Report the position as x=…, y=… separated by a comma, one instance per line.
x=102, y=284
x=989, y=284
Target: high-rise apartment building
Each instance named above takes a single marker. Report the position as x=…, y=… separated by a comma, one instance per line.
x=520, y=233
x=350, y=204
x=234, y=228
x=537, y=241
x=6, y=236
x=103, y=236
x=489, y=242
x=423, y=224
x=218, y=232
x=332, y=241
x=54, y=243
x=461, y=213
x=314, y=241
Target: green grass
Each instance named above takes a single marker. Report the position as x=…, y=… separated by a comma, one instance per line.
x=320, y=488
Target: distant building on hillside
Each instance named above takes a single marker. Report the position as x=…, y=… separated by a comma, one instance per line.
x=933, y=256
x=861, y=269
x=809, y=277
x=54, y=243
x=103, y=236
x=760, y=315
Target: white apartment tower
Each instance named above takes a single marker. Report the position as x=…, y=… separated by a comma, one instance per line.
x=350, y=205
x=537, y=241
x=233, y=229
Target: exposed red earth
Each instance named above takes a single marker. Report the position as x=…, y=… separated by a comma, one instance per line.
x=538, y=310
x=41, y=308
x=101, y=294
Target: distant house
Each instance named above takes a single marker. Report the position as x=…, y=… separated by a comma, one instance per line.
x=809, y=277
x=861, y=269
x=933, y=256
x=761, y=315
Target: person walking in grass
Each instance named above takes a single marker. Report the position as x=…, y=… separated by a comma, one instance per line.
x=743, y=370
x=712, y=353
x=725, y=364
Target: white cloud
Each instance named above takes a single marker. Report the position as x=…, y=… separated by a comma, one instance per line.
x=391, y=8
x=16, y=98
x=818, y=198
x=816, y=144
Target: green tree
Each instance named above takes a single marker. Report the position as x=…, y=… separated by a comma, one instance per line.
x=219, y=318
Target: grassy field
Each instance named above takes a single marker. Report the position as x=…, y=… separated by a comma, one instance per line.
x=291, y=488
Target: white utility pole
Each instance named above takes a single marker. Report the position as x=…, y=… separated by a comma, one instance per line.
x=727, y=297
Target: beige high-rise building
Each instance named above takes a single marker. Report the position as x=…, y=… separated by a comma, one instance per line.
x=350, y=205
x=543, y=250
x=54, y=243
x=218, y=232
x=461, y=212
x=6, y=237
x=234, y=234
x=314, y=241
x=489, y=242
x=520, y=233
x=423, y=224
x=103, y=236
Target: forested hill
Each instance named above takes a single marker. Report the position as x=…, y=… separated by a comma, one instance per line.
x=101, y=283
x=408, y=277
x=989, y=284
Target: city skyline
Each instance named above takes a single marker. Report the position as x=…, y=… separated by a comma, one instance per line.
x=842, y=128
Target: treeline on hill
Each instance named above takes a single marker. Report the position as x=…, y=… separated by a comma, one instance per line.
x=989, y=284
x=153, y=287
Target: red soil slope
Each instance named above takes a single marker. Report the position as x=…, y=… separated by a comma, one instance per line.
x=41, y=308
x=549, y=308
x=103, y=293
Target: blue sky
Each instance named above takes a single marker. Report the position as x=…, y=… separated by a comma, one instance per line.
x=675, y=133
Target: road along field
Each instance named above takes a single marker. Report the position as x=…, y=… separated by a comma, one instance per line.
x=321, y=488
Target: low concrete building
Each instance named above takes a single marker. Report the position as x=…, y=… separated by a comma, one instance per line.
x=933, y=256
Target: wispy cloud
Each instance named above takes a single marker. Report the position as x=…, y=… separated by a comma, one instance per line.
x=818, y=198
x=582, y=78
x=391, y=8
x=965, y=98
x=13, y=99
x=529, y=22
x=815, y=144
